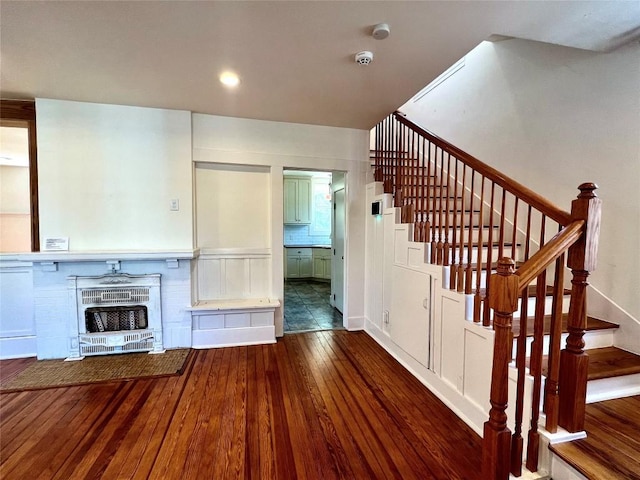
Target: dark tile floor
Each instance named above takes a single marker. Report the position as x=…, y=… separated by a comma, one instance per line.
x=307, y=308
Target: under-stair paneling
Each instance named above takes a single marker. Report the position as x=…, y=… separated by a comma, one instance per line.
x=450, y=345
x=233, y=274
x=410, y=313
x=478, y=353
x=444, y=351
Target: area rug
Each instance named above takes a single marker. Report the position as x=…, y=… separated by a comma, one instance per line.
x=103, y=368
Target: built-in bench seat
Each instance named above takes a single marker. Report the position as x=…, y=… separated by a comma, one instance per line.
x=233, y=322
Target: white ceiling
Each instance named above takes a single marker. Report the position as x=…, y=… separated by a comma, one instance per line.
x=295, y=58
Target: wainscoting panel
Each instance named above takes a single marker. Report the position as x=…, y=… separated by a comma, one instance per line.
x=17, y=321
x=233, y=274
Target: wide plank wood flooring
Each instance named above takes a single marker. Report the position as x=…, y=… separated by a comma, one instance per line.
x=611, y=449
x=318, y=405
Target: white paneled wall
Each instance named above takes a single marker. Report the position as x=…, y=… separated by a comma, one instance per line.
x=17, y=321
x=233, y=274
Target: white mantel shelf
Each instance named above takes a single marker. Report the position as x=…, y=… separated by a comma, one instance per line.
x=102, y=256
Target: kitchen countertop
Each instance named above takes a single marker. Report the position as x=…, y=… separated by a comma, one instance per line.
x=307, y=246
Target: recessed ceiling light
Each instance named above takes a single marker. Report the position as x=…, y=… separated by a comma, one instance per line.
x=230, y=79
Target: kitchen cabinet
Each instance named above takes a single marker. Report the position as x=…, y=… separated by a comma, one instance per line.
x=297, y=200
x=322, y=263
x=299, y=263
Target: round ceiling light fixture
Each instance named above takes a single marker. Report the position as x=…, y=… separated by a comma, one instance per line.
x=381, y=31
x=229, y=79
x=364, y=58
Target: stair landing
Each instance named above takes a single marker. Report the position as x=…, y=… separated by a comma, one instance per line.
x=611, y=450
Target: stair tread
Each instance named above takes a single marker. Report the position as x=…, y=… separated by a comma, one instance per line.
x=592, y=325
x=612, y=447
x=612, y=362
x=606, y=362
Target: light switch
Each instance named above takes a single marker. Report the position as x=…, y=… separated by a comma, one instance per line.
x=174, y=205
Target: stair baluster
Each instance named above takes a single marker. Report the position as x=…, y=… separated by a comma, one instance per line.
x=477, y=304
x=468, y=270
x=454, y=246
x=535, y=370
x=551, y=382
x=486, y=314
x=441, y=211
x=460, y=273
x=446, y=250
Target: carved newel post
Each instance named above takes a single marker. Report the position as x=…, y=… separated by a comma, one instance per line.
x=496, y=443
x=574, y=362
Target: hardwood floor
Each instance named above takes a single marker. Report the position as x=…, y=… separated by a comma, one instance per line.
x=318, y=405
x=610, y=451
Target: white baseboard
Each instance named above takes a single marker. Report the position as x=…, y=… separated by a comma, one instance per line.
x=233, y=337
x=355, y=323
x=17, y=347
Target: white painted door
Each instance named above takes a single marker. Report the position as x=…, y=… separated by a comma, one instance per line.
x=410, y=313
x=337, y=283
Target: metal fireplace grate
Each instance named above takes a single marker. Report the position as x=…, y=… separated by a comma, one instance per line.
x=114, y=319
x=115, y=295
x=116, y=342
x=116, y=313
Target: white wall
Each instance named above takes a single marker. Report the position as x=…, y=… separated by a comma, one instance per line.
x=277, y=145
x=107, y=174
x=552, y=118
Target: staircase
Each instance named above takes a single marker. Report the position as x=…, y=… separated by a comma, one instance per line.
x=508, y=250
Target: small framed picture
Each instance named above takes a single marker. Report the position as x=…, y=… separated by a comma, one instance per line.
x=57, y=244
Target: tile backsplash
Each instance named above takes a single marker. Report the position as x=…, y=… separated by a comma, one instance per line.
x=299, y=235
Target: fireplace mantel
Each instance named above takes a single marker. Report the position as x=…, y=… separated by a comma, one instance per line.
x=98, y=256
x=36, y=285
x=49, y=260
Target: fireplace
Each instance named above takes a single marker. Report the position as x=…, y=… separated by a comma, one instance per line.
x=115, y=313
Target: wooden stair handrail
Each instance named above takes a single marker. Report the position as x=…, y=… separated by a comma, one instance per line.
x=542, y=204
x=544, y=257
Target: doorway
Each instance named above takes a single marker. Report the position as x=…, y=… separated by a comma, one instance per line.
x=310, y=269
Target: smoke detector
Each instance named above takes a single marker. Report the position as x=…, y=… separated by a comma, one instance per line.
x=380, y=31
x=364, y=58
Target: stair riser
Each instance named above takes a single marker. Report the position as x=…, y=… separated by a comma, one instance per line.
x=495, y=251
x=613, y=387
x=436, y=203
x=531, y=305
x=475, y=235
x=592, y=339
x=435, y=220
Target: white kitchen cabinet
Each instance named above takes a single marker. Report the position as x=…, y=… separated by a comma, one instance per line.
x=299, y=263
x=322, y=263
x=297, y=200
